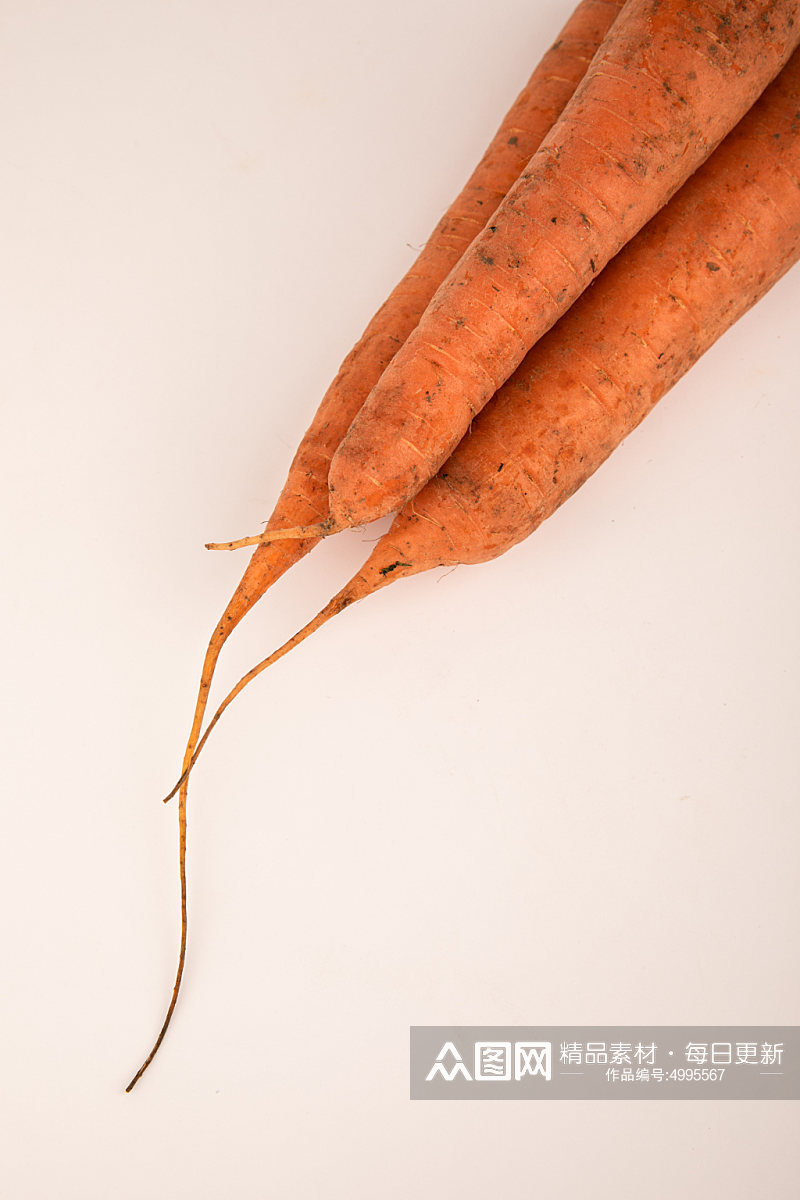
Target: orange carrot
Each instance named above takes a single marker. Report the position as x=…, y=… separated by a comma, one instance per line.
x=718, y=246
x=672, y=77
x=721, y=243
x=304, y=497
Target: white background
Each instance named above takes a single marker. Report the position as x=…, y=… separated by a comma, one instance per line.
x=560, y=787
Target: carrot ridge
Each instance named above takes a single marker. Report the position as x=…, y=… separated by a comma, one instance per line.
x=176, y=987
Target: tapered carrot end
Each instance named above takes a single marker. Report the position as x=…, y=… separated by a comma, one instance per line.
x=239, y=544
x=296, y=533
x=177, y=787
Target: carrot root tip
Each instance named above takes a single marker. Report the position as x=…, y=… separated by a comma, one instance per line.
x=296, y=533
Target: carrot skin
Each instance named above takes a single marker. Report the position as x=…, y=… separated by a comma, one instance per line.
x=671, y=79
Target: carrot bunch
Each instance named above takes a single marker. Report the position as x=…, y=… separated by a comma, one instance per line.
x=629, y=103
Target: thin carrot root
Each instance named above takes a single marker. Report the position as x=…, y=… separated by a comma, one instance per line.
x=210, y=662
x=209, y=665
x=176, y=987
x=177, y=786
x=239, y=544
x=336, y=605
x=297, y=533
x=339, y=602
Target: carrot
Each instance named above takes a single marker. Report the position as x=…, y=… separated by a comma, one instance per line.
x=670, y=80
x=718, y=246
x=304, y=496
